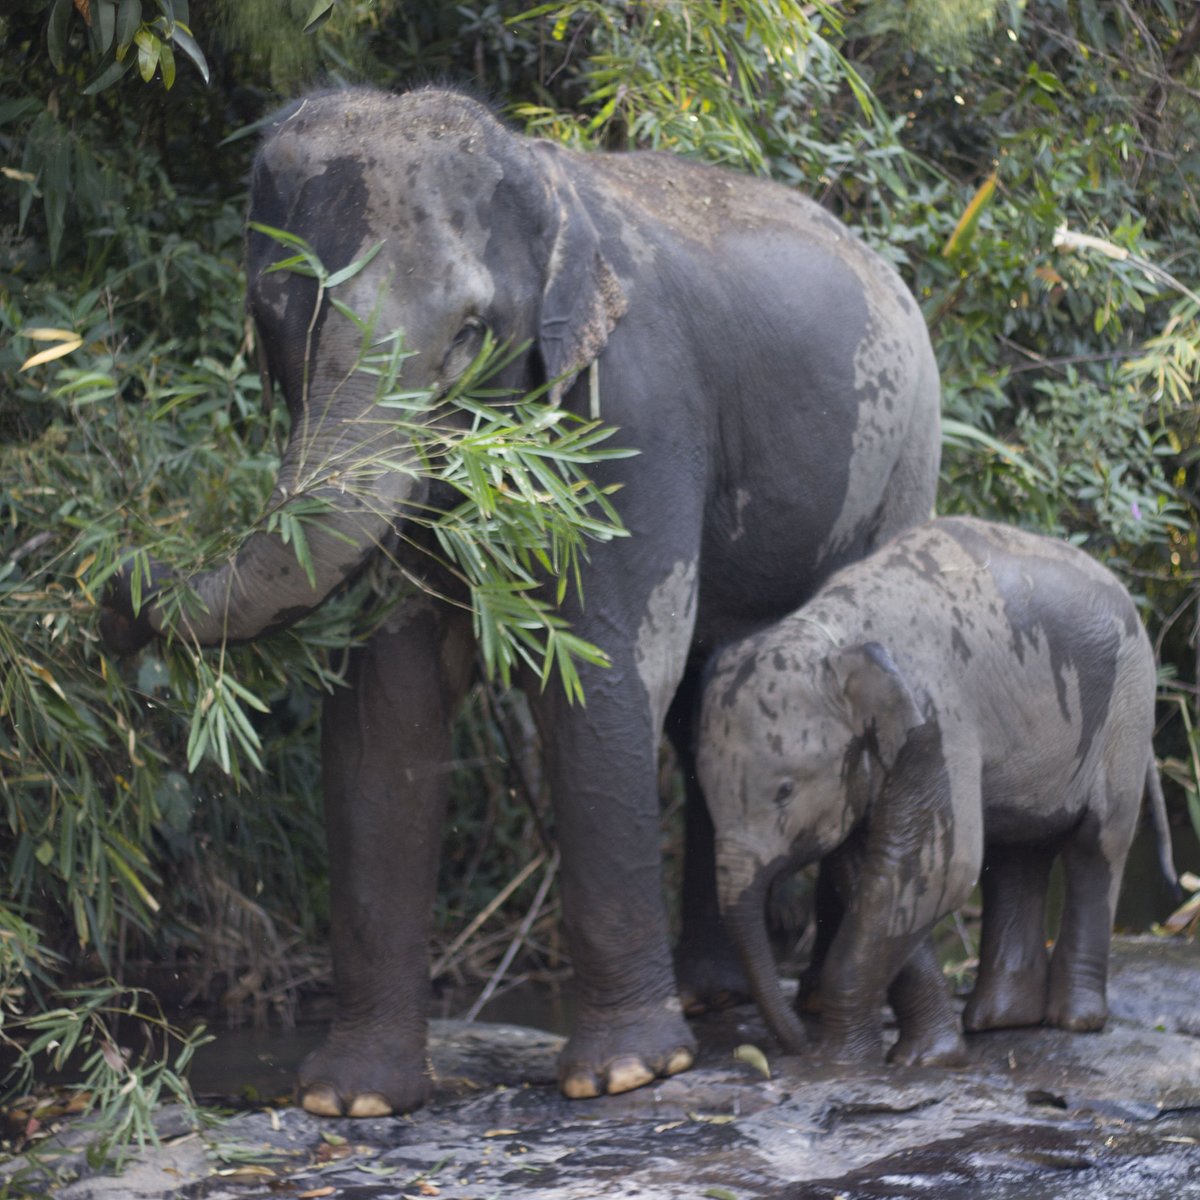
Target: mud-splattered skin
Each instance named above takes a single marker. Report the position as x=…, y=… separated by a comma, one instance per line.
x=778, y=384
x=970, y=698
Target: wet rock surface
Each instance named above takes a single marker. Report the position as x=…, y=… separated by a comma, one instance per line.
x=1038, y=1112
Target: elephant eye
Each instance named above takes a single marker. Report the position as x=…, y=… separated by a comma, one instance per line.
x=471, y=329
x=786, y=788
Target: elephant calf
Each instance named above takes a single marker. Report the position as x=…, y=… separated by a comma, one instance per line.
x=970, y=696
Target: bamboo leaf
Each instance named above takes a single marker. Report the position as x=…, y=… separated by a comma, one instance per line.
x=320, y=12
x=967, y=223
x=57, y=30
x=181, y=35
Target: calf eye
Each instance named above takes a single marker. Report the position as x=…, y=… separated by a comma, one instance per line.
x=786, y=788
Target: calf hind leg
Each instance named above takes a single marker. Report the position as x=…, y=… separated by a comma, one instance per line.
x=1079, y=966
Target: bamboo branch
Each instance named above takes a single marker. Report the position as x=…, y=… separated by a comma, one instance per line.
x=518, y=939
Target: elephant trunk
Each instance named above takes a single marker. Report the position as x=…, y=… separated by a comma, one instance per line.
x=743, y=884
x=339, y=491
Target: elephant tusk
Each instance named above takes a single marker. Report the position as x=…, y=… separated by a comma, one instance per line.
x=594, y=390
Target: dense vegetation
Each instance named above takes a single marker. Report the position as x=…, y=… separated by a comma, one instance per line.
x=1031, y=167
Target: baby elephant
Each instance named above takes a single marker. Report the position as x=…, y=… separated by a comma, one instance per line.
x=970, y=696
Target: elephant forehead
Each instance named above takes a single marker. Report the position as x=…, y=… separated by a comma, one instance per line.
x=418, y=173
x=434, y=195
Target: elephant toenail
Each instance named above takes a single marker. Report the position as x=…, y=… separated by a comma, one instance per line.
x=627, y=1074
x=580, y=1087
x=679, y=1061
x=321, y=1100
x=370, y=1104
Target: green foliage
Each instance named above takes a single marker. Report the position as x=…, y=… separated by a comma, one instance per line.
x=122, y=1088
x=691, y=77
x=120, y=34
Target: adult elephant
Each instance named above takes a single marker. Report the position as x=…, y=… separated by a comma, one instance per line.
x=775, y=377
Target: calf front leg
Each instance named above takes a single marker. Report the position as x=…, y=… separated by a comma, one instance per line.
x=921, y=858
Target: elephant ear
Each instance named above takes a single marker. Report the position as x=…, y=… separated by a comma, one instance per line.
x=876, y=699
x=582, y=298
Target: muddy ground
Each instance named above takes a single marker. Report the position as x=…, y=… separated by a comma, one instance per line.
x=1037, y=1113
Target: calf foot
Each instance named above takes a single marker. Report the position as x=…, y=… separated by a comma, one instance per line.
x=1081, y=1008
x=364, y=1073
x=616, y=1053
x=857, y=1050
x=941, y=1048
x=710, y=977
x=1007, y=1003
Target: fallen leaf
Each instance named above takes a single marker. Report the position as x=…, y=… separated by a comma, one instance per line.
x=752, y=1056
x=1183, y=916
x=247, y=1174
x=316, y=1192
x=500, y=1133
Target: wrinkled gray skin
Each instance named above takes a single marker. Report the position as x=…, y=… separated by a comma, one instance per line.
x=775, y=377
x=969, y=697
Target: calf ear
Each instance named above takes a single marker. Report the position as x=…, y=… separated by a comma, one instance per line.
x=582, y=298
x=878, y=703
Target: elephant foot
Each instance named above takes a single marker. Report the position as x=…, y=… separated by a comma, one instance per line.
x=710, y=977
x=604, y=1057
x=363, y=1074
x=940, y=1048
x=1005, y=1004
x=860, y=1050
x=1079, y=1009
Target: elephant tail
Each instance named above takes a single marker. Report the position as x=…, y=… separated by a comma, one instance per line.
x=1162, y=831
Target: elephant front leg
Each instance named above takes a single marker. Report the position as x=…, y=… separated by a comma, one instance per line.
x=921, y=858
x=929, y=1028
x=386, y=743
x=629, y=1026
x=862, y=964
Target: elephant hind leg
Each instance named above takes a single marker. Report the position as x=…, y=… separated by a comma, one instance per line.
x=1010, y=990
x=929, y=1029
x=1092, y=865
